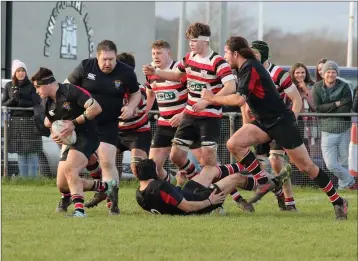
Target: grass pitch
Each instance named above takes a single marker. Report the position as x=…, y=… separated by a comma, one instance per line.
x=31, y=230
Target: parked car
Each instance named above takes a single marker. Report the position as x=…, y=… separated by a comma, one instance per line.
x=50, y=154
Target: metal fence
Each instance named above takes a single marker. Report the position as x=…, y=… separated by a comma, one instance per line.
x=48, y=152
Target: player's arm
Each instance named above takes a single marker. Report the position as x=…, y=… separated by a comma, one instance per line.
x=170, y=75
x=150, y=96
x=295, y=97
x=191, y=206
x=245, y=113
x=84, y=99
x=236, y=99
x=47, y=123
x=75, y=77
x=134, y=98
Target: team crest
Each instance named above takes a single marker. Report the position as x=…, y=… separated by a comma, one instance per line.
x=117, y=84
x=66, y=106
x=203, y=73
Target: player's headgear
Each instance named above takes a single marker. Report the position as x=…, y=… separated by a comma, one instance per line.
x=263, y=49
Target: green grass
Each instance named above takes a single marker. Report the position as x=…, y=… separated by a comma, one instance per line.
x=31, y=230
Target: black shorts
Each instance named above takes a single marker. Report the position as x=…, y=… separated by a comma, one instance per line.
x=285, y=132
x=108, y=132
x=134, y=140
x=164, y=135
x=265, y=148
x=87, y=143
x=194, y=191
x=193, y=129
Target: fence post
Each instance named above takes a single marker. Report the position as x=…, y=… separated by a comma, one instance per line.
x=232, y=131
x=6, y=140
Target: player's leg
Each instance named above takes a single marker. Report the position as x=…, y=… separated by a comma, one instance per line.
x=61, y=182
x=160, y=149
x=277, y=160
x=184, y=137
x=210, y=134
x=62, y=186
x=139, y=146
x=75, y=162
x=239, y=143
x=298, y=154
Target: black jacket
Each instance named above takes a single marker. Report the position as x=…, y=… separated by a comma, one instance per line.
x=355, y=100
x=21, y=95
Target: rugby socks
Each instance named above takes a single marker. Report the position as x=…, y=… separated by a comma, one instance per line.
x=252, y=165
x=65, y=195
x=78, y=201
x=99, y=186
x=235, y=194
x=250, y=183
x=95, y=170
x=229, y=169
x=190, y=170
x=290, y=202
x=323, y=181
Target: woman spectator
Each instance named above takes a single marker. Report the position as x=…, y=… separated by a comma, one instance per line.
x=307, y=125
x=319, y=66
x=24, y=139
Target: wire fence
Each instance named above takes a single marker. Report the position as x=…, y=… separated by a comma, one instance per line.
x=24, y=152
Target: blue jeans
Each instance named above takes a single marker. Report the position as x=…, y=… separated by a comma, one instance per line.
x=194, y=160
x=335, y=154
x=28, y=164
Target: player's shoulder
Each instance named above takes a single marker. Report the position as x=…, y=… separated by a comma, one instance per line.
x=89, y=66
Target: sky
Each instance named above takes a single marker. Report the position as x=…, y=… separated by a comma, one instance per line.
x=291, y=17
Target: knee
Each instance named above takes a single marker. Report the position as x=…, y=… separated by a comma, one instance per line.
x=106, y=164
x=331, y=165
x=232, y=144
x=177, y=156
x=209, y=158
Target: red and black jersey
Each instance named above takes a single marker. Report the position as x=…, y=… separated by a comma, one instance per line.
x=171, y=96
x=139, y=122
x=282, y=80
x=69, y=104
x=211, y=73
x=160, y=197
x=255, y=83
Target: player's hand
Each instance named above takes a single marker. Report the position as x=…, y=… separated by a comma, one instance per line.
x=217, y=198
x=55, y=138
x=148, y=69
x=200, y=105
x=181, y=177
x=67, y=130
x=175, y=120
x=207, y=94
x=127, y=113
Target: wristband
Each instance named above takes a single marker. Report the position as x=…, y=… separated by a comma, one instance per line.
x=75, y=123
x=210, y=202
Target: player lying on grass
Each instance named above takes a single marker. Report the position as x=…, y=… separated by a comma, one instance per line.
x=199, y=195
x=77, y=109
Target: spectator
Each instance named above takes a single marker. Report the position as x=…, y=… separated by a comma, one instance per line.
x=332, y=95
x=24, y=139
x=355, y=100
x=319, y=75
x=307, y=125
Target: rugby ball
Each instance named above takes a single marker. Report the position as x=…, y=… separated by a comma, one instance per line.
x=57, y=127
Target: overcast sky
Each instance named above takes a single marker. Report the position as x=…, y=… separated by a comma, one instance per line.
x=288, y=16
